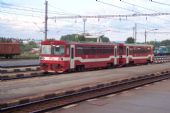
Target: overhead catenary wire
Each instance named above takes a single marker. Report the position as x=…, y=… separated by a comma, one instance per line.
x=14, y=13
x=33, y=10
x=144, y=8
x=130, y=9
x=160, y=32
x=24, y=9
x=123, y=9
x=117, y=6
x=14, y=20
x=139, y=6
x=109, y=16
x=63, y=12
x=159, y=3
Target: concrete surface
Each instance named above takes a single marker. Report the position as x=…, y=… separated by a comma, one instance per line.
x=17, y=89
x=154, y=98
x=19, y=63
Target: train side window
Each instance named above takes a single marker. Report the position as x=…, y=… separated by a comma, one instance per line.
x=122, y=50
x=79, y=50
x=112, y=51
x=72, y=53
x=92, y=50
x=131, y=50
x=115, y=52
x=127, y=51
x=67, y=51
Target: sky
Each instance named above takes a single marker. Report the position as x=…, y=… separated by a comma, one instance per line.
x=25, y=18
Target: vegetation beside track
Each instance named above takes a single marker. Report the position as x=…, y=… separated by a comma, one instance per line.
x=27, y=55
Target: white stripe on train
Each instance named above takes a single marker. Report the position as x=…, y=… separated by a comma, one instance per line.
x=94, y=59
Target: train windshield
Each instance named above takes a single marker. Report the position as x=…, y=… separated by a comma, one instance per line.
x=52, y=49
x=58, y=49
x=46, y=49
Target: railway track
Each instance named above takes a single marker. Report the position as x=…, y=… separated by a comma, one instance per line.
x=21, y=72
x=21, y=75
x=57, y=100
x=19, y=63
x=33, y=71
x=14, y=59
x=161, y=59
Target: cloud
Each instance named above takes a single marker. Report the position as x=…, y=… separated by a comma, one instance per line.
x=5, y=4
x=115, y=28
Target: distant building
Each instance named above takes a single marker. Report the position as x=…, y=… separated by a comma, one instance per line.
x=93, y=38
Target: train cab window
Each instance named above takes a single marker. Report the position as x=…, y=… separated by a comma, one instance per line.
x=46, y=49
x=58, y=50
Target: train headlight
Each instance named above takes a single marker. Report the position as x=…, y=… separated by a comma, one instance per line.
x=60, y=59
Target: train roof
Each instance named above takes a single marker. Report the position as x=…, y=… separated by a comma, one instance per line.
x=136, y=45
x=50, y=42
x=76, y=43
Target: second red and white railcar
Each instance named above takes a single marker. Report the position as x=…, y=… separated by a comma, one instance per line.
x=135, y=54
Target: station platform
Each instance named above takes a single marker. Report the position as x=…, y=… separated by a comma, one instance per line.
x=19, y=89
x=153, y=98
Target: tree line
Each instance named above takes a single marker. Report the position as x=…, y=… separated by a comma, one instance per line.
x=82, y=38
x=131, y=40
x=3, y=39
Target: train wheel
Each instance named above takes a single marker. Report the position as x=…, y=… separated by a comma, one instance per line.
x=45, y=72
x=10, y=56
x=78, y=68
x=131, y=63
x=110, y=65
x=148, y=62
x=82, y=68
x=6, y=56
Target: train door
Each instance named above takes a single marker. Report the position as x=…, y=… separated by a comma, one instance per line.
x=72, y=55
x=127, y=54
x=115, y=55
x=122, y=52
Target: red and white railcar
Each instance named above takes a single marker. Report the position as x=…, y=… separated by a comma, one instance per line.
x=135, y=54
x=61, y=56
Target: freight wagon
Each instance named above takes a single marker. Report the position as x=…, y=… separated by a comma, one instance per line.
x=8, y=50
